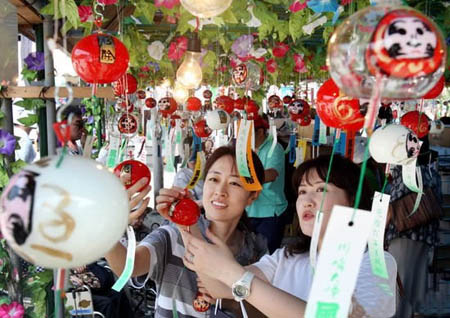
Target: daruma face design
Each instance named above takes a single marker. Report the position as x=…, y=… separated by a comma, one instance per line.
x=412, y=145
x=299, y=107
x=398, y=48
x=394, y=144
x=63, y=217
x=275, y=102
x=17, y=206
x=410, y=38
x=240, y=73
x=405, y=44
x=248, y=75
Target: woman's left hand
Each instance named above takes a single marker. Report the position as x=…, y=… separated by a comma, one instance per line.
x=202, y=289
x=357, y=310
x=137, y=200
x=214, y=260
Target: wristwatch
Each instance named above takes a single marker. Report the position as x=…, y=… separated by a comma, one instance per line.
x=241, y=288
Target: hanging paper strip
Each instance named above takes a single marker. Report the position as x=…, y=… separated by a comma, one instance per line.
x=350, y=145
x=288, y=147
x=170, y=158
x=114, y=143
x=300, y=152
x=148, y=129
x=241, y=148
x=292, y=139
x=129, y=263
x=250, y=183
x=196, y=146
x=185, y=156
x=178, y=135
x=380, y=205
x=409, y=173
x=316, y=131
x=338, y=266
x=198, y=170
x=273, y=134
x=340, y=147
x=322, y=133
x=123, y=149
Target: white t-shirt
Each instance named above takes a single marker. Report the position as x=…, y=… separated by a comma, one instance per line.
x=294, y=275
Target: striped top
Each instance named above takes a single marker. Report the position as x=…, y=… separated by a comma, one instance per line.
x=177, y=285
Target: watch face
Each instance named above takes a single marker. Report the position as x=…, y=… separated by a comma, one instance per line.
x=241, y=291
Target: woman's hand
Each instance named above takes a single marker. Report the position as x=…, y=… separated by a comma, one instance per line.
x=80, y=269
x=202, y=289
x=214, y=260
x=166, y=197
x=357, y=310
x=136, y=199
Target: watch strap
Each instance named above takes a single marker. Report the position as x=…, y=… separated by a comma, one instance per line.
x=244, y=281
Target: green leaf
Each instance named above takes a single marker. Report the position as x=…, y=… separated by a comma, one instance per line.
x=268, y=19
x=4, y=179
x=146, y=9
x=183, y=25
x=272, y=1
x=282, y=27
x=258, y=96
x=88, y=26
x=224, y=42
x=29, y=121
x=5, y=300
x=26, y=103
x=66, y=27
x=49, y=9
x=209, y=63
x=29, y=75
x=37, y=103
x=17, y=166
x=327, y=31
x=70, y=10
x=296, y=22
x=229, y=17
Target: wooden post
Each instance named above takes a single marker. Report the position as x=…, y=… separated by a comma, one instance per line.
x=49, y=81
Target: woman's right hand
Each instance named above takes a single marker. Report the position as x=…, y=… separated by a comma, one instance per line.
x=137, y=203
x=214, y=260
x=168, y=196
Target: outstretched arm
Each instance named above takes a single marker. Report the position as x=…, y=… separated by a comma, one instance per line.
x=116, y=257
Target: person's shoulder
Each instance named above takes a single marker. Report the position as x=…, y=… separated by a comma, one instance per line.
x=282, y=254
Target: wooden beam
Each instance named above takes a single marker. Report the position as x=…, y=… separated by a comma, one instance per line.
x=43, y=92
x=26, y=13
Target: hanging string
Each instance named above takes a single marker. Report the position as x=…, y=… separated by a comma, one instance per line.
x=61, y=128
x=384, y=183
x=361, y=180
x=336, y=141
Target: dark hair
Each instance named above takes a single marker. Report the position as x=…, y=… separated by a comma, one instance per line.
x=71, y=109
x=244, y=223
x=344, y=174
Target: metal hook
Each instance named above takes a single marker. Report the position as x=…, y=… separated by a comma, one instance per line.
x=99, y=15
x=66, y=104
x=52, y=45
